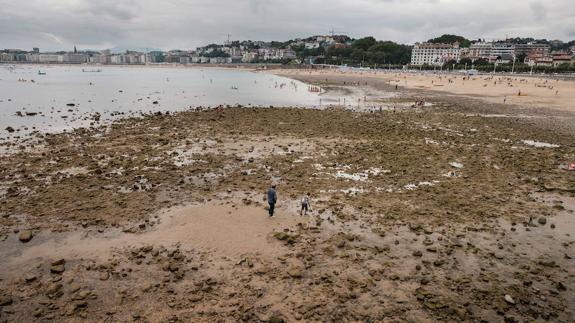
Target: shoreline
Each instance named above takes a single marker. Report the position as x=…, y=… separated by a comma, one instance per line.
x=537, y=92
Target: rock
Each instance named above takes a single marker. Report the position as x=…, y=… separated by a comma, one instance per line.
x=57, y=269
x=81, y=295
x=275, y=319
x=295, y=272
x=415, y=227
x=561, y=286
x=552, y=225
x=147, y=287
x=547, y=263
x=542, y=220
x=38, y=312
x=438, y=263
x=104, y=275
x=30, y=278
x=10, y=129
x=427, y=242
x=290, y=239
x=509, y=299
x=54, y=290
x=5, y=300
x=417, y=253
x=25, y=236
x=173, y=266
x=74, y=288
x=60, y=261
x=73, y=306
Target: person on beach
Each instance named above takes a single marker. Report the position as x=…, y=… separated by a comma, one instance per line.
x=305, y=204
x=272, y=199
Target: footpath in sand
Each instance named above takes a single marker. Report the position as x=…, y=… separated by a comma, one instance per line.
x=456, y=211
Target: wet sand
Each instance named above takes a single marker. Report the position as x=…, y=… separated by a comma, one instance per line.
x=459, y=210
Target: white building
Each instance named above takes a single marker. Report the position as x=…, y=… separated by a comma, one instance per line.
x=503, y=51
x=312, y=45
x=116, y=59
x=480, y=50
x=50, y=58
x=74, y=58
x=249, y=57
x=434, y=54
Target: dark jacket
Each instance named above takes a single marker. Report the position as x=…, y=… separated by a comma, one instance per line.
x=272, y=196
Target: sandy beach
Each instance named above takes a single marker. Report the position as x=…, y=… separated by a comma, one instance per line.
x=461, y=209
x=521, y=91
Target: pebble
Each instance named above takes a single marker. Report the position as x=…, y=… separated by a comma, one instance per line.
x=295, y=272
x=57, y=269
x=509, y=299
x=275, y=319
x=25, y=236
x=104, y=275
x=30, y=278
x=542, y=220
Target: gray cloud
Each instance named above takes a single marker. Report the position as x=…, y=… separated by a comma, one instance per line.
x=168, y=24
x=539, y=11
x=114, y=9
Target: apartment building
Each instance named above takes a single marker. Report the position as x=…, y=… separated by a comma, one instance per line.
x=434, y=54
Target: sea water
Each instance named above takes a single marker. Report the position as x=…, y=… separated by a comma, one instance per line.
x=67, y=97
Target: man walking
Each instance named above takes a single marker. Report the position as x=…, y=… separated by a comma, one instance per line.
x=272, y=198
x=305, y=204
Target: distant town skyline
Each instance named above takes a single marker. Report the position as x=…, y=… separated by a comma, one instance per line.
x=177, y=24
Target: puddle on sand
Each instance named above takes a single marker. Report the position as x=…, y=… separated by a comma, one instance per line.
x=219, y=228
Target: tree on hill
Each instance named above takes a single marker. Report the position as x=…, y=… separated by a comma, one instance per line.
x=369, y=52
x=363, y=43
x=450, y=39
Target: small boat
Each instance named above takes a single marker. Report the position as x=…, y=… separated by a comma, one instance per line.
x=234, y=87
x=41, y=73
x=91, y=71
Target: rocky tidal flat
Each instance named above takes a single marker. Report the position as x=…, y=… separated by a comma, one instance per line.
x=436, y=213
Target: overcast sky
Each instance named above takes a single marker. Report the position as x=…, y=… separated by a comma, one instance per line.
x=186, y=24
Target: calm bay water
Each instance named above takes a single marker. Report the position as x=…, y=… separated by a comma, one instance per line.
x=114, y=92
